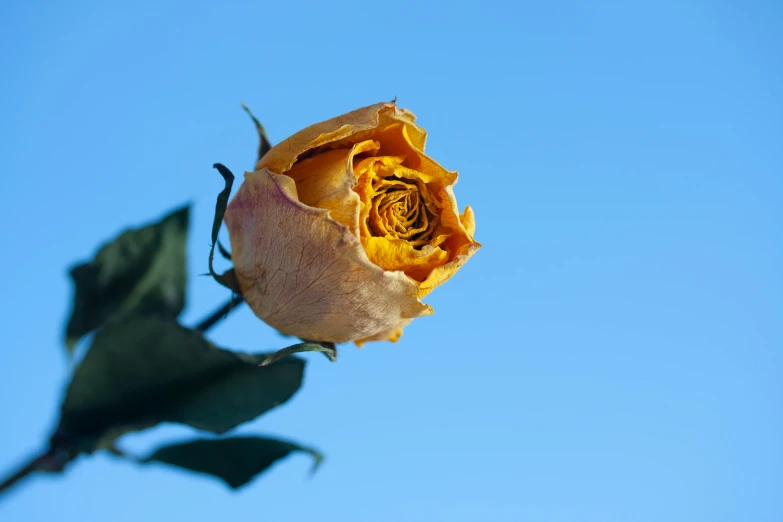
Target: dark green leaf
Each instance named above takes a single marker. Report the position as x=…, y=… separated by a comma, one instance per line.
x=148, y=370
x=235, y=460
x=328, y=349
x=227, y=279
x=141, y=271
x=263, y=142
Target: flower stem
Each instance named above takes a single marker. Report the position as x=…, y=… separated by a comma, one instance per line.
x=219, y=314
x=35, y=464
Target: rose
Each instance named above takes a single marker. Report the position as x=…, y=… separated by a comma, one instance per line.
x=345, y=226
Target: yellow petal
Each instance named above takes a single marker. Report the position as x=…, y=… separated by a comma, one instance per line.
x=342, y=131
x=468, y=220
x=398, y=254
x=307, y=275
x=389, y=243
x=327, y=180
x=396, y=140
x=443, y=273
x=459, y=243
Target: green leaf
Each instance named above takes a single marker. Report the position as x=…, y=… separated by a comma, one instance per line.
x=235, y=460
x=141, y=271
x=328, y=349
x=263, y=142
x=147, y=370
x=228, y=279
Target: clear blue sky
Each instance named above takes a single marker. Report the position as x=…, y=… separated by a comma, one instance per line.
x=613, y=353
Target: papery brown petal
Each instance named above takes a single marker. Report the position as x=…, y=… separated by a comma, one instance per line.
x=392, y=335
x=307, y=275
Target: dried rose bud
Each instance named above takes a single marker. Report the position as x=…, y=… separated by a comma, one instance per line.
x=345, y=226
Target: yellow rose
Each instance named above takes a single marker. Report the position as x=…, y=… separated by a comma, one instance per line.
x=345, y=226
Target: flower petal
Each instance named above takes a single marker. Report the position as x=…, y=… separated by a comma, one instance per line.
x=327, y=180
x=398, y=254
x=397, y=140
x=307, y=275
x=460, y=242
x=349, y=128
x=443, y=273
x=468, y=220
x=392, y=335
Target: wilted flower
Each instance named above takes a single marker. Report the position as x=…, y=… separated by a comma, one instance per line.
x=345, y=226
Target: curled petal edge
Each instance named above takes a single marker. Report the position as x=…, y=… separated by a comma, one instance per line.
x=357, y=125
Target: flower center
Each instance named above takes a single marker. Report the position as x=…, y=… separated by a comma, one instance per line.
x=399, y=210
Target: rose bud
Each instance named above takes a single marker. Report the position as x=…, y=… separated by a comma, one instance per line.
x=345, y=226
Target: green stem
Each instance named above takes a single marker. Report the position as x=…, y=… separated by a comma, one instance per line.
x=36, y=464
x=219, y=314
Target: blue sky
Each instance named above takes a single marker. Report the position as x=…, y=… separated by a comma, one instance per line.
x=613, y=352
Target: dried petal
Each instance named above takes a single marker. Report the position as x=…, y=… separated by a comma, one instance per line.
x=345, y=226
x=307, y=275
